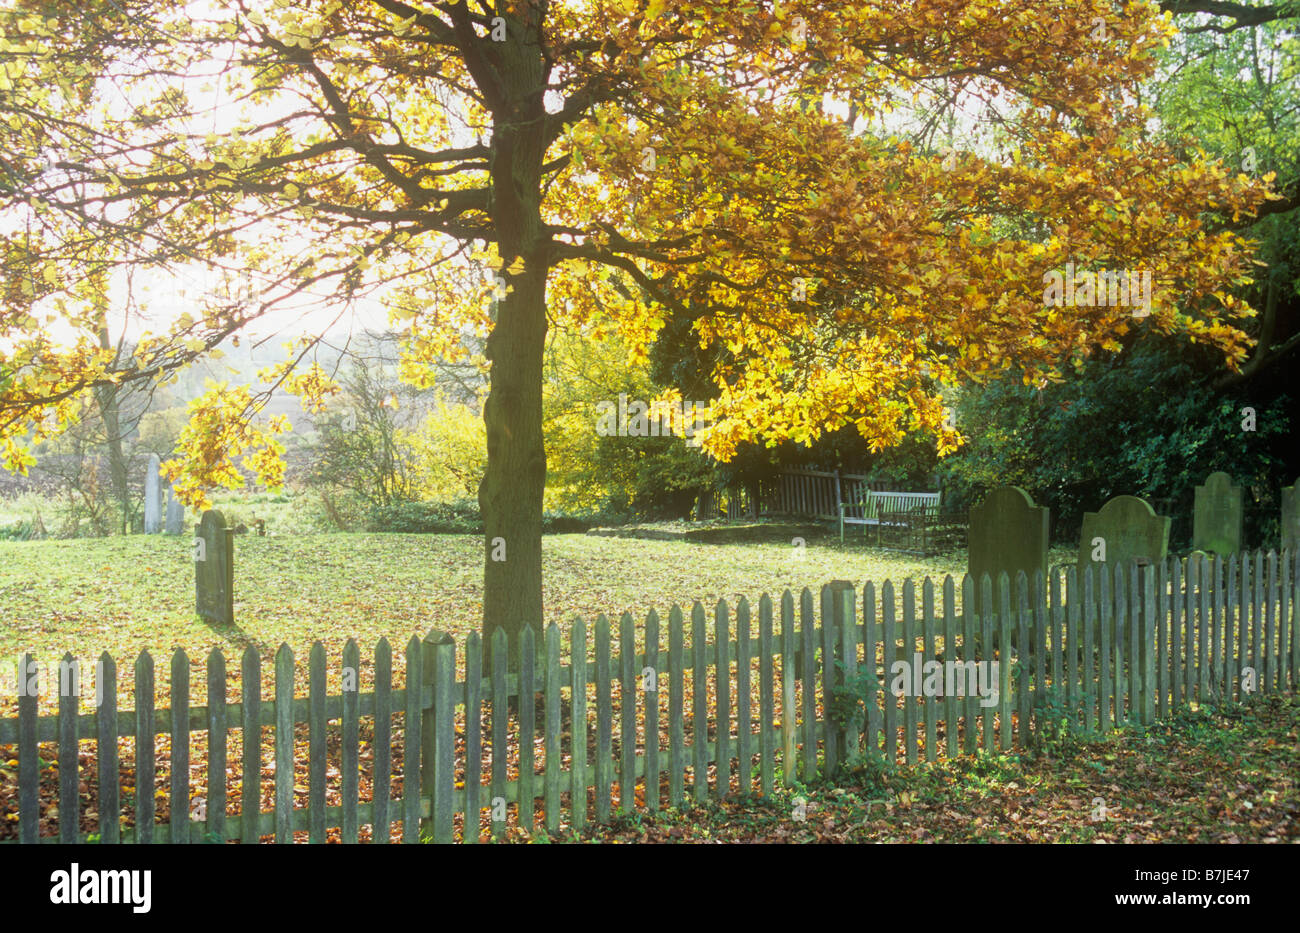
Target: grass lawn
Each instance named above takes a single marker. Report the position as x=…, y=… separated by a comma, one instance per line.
x=125, y=594
x=1226, y=775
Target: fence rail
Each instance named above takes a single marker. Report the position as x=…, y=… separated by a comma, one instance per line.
x=792, y=692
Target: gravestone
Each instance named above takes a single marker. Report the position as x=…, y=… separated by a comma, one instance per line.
x=1291, y=517
x=214, y=569
x=1217, y=516
x=153, y=497
x=1125, y=529
x=1007, y=533
x=174, y=523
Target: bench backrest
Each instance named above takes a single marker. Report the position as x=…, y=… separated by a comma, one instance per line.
x=899, y=501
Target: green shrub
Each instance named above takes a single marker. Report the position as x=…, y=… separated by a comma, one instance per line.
x=426, y=518
x=19, y=531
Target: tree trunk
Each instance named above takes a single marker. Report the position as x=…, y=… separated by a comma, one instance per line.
x=510, y=496
x=107, y=398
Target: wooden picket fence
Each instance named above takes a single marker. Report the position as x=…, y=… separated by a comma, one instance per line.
x=769, y=703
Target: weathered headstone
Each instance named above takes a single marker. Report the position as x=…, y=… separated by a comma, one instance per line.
x=1291, y=517
x=174, y=524
x=153, y=497
x=1125, y=529
x=214, y=569
x=1217, y=516
x=1007, y=533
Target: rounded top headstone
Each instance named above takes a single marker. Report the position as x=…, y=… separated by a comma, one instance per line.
x=1127, y=504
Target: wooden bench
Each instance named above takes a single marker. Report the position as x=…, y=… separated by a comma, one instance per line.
x=869, y=509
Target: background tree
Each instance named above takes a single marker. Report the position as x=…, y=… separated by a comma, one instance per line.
x=1156, y=416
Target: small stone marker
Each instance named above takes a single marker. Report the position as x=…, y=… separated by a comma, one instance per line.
x=214, y=569
x=1217, y=516
x=1291, y=517
x=153, y=497
x=174, y=524
x=1007, y=533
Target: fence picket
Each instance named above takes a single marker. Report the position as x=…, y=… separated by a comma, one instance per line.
x=1005, y=700
x=1162, y=678
x=500, y=701
x=1149, y=646
x=627, y=692
x=871, y=724
x=1191, y=580
x=1216, y=622
x=471, y=828
x=909, y=655
x=676, y=710
x=722, y=691
x=1106, y=718
x=1283, y=620
x=178, y=800
x=144, y=749
x=1231, y=664
x=1091, y=674
x=1121, y=634
x=788, y=677
x=1177, y=606
x=1042, y=622
x=440, y=651
x=766, y=699
x=1057, y=614
x=1270, y=624
x=1257, y=621
x=1136, y=656
x=986, y=646
x=412, y=740
x=889, y=636
x=744, y=702
x=350, y=752
x=551, y=776
x=699, y=707
x=578, y=705
x=29, y=769
x=69, y=682
x=604, y=719
x=949, y=655
x=1024, y=700
x=215, y=831
x=829, y=676
x=284, y=727
x=317, y=763
x=382, y=747
x=1204, y=582
x=527, y=797
x=110, y=806
x=809, y=677
x=652, y=717
x=1295, y=619
x=970, y=736
x=1243, y=624
x=930, y=708
x=1071, y=645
